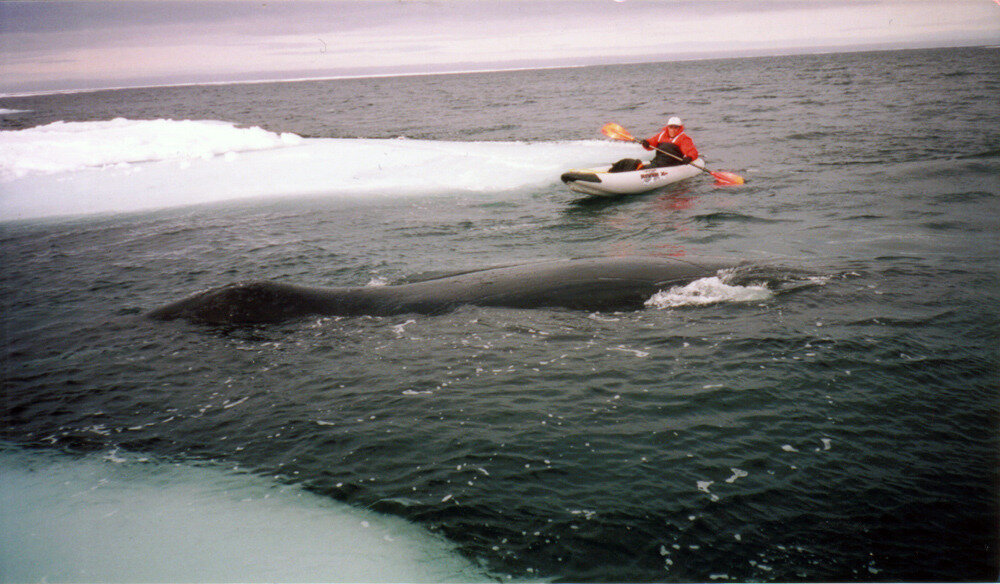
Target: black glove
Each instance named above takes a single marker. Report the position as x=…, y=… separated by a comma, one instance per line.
x=645, y=144
x=686, y=160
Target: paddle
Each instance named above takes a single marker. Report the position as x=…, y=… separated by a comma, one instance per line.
x=617, y=132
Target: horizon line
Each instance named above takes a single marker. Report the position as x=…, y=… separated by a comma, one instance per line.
x=703, y=56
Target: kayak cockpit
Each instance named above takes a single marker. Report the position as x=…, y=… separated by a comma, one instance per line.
x=580, y=175
x=603, y=182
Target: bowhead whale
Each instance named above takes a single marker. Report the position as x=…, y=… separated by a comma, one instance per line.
x=598, y=284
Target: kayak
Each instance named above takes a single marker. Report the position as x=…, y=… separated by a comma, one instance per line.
x=600, y=182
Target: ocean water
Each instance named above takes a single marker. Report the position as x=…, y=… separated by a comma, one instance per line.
x=845, y=429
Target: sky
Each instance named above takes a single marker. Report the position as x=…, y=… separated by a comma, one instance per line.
x=53, y=45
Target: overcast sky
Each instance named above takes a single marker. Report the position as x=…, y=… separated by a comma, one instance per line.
x=71, y=45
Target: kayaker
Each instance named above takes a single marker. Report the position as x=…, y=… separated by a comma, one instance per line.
x=673, y=140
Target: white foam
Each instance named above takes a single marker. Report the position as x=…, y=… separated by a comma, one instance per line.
x=119, y=519
x=703, y=486
x=707, y=291
x=737, y=474
x=78, y=168
x=6, y=112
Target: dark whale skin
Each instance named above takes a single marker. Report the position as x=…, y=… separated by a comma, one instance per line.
x=595, y=284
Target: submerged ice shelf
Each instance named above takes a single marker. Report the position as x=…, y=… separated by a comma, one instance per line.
x=118, y=517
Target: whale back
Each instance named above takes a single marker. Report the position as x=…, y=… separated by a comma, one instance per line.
x=253, y=302
x=602, y=284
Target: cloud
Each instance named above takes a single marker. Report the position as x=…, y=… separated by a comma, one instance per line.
x=47, y=43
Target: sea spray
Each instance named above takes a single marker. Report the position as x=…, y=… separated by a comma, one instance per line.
x=708, y=291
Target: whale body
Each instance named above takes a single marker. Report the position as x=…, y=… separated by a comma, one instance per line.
x=597, y=284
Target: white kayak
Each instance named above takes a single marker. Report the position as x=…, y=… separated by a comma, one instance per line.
x=600, y=182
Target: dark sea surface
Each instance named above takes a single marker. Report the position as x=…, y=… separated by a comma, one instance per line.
x=843, y=431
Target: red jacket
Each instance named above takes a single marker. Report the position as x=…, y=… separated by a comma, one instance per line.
x=683, y=141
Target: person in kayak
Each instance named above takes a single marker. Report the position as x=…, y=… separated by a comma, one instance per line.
x=672, y=140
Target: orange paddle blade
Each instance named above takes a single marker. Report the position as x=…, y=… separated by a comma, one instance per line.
x=727, y=178
x=617, y=132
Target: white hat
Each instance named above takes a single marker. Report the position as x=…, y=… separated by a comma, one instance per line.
x=675, y=121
